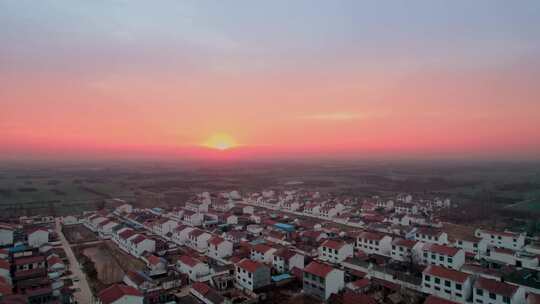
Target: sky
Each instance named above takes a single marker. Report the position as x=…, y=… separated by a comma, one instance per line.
x=269, y=79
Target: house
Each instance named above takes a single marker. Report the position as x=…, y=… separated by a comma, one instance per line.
x=447, y=283
x=164, y=226
x=105, y=228
x=431, y=235
x=472, y=244
x=139, y=244
x=192, y=267
x=321, y=280
x=124, y=209
x=405, y=208
x=38, y=236
x=513, y=258
x=181, y=234
x=508, y=240
x=262, y=253
x=120, y=294
x=248, y=210
x=489, y=291
x=252, y=275
x=219, y=248
x=70, y=220
x=335, y=251
x=374, y=243
x=121, y=238
x=5, y=270
x=449, y=257
x=285, y=260
x=156, y=265
x=291, y=206
x=6, y=234
x=206, y=294
x=55, y=264
x=193, y=219
x=406, y=250
x=198, y=239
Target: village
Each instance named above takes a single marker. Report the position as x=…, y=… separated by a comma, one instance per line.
x=291, y=246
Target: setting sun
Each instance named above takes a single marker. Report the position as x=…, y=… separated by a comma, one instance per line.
x=220, y=141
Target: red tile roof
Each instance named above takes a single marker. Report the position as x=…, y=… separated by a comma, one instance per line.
x=196, y=233
x=262, y=248
x=496, y=287
x=185, y=259
x=138, y=239
x=201, y=288
x=371, y=236
x=249, y=265
x=216, y=240
x=441, y=249
x=29, y=260
x=333, y=244
x=318, y=269
x=116, y=292
x=404, y=243
x=442, y=272
x=126, y=234
x=4, y=264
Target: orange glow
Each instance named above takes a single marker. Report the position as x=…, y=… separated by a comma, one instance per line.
x=220, y=141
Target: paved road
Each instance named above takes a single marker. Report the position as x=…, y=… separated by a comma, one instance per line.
x=84, y=296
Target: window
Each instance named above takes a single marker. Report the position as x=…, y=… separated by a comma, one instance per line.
x=437, y=281
x=480, y=292
x=427, y=285
x=425, y=254
x=447, y=291
x=437, y=288
x=441, y=258
x=479, y=301
x=492, y=296
x=427, y=278
x=506, y=299
x=447, y=283
x=458, y=286
x=450, y=260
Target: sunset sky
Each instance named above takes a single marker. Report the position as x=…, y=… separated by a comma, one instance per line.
x=269, y=79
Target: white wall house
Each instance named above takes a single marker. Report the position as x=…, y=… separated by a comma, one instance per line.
x=262, y=253
x=488, y=291
x=449, y=257
x=374, y=243
x=192, y=218
x=406, y=250
x=139, y=244
x=431, y=235
x=219, y=248
x=509, y=240
x=192, y=267
x=335, y=251
x=405, y=208
x=251, y=275
x=321, y=280
x=6, y=235
x=475, y=245
x=285, y=260
x=446, y=283
x=181, y=234
x=38, y=237
x=198, y=240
